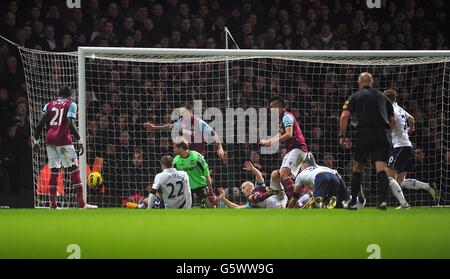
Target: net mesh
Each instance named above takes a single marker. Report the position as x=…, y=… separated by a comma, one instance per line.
x=125, y=91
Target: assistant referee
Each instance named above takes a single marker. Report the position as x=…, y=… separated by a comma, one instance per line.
x=375, y=117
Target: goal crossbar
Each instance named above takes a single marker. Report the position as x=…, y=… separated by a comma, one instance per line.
x=84, y=51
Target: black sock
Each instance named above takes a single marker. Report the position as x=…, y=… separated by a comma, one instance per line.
x=383, y=184
x=356, y=185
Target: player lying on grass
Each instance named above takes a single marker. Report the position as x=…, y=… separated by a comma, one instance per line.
x=325, y=184
x=257, y=195
x=292, y=137
x=401, y=156
x=59, y=118
x=197, y=169
x=191, y=128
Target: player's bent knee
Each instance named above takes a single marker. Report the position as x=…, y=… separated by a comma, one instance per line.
x=390, y=172
x=275, y=176
x=380, y=166
x=285, y=172
x=73, y=168
x=401, y=177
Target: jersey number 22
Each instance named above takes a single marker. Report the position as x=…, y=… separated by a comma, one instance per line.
x=172, y=191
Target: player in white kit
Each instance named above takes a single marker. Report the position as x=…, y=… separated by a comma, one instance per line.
x=327, y=186
x=401, y=156
x=174, y=185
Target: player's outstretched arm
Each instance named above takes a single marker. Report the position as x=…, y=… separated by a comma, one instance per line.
x=206, y=129
x=151, y=127
x=248, y=166
x=220, y=151
x=226, y=201
x=411, y=124
x=151, y=199
x=343, y=122
x=38, y=130
x=73, y=129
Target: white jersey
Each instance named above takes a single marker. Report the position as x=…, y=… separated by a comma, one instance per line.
x=399, y=134
x=308, y=175
x=174, y=185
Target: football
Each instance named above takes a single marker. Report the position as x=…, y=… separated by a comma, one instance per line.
x=95, y=179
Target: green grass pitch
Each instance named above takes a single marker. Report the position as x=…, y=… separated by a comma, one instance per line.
x=225, y=233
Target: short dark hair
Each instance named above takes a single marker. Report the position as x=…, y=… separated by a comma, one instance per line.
x=181, y=143
x=277, y=99
x=189, y=106
x=391, y=94
x=167, y=161
x=65, y=91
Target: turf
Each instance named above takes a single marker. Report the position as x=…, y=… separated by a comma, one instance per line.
x=225, y=233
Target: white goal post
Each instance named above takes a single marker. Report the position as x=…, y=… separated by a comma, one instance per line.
x=315, y=83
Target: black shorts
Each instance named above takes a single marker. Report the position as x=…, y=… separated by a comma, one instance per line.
x=401, y=159
x=374, y=141
x=200, y=193
x=326, y=185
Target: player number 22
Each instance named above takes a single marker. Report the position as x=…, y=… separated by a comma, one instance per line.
x=180, y=191
x=58, y=115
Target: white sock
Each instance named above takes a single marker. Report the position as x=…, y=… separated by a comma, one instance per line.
x=414, y=184
x=397, y=191
x=304, y=199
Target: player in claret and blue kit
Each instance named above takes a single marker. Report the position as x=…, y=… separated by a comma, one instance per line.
x=292, y=137
x=59, y=117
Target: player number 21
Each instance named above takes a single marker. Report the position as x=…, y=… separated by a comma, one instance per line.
x=58, y=115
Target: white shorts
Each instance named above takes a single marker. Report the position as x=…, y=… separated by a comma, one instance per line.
x=277, y=201
x=61, y=156
x=292, y=160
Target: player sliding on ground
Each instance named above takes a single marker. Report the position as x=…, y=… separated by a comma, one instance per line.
x=399, y=162
x=327, y=186
x=59, y=117
x=257, y=195
x=197, y=169
x=174, y=185
x=291, y=135
x=193, y=129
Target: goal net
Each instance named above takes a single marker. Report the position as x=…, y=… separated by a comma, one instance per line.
x=124, y=88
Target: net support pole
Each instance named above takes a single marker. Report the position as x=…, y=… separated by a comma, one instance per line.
x=82, y=115
x=227, y=70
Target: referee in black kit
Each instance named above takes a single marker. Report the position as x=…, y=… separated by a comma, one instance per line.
x=375, y=117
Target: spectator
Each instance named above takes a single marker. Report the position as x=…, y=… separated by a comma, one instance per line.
x=328, y=161
x=13, y=77
x=8, y=27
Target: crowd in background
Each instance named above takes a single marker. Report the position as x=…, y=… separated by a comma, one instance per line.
x=295, y=24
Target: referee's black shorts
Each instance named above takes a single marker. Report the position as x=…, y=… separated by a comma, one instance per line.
x=374, y=141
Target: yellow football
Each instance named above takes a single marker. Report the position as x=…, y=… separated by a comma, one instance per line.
x=95, y=179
